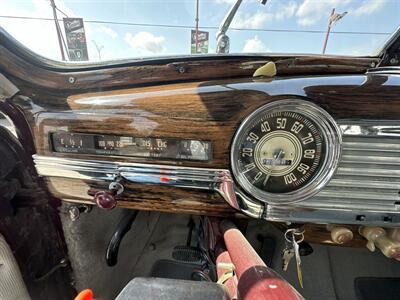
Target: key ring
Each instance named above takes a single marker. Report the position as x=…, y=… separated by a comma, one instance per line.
x=294, y=233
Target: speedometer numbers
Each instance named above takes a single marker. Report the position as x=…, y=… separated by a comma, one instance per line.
x=282, y=148
x=281, y=152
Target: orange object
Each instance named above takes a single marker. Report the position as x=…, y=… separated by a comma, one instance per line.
x=85, y=295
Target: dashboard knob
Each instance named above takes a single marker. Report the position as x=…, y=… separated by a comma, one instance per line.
x=377, y=238
x=105, y=200
x=340, y=234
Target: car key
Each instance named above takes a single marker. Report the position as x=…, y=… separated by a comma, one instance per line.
x=298, y=259
x=288, y=252
x=287, y=255
x=293, y=249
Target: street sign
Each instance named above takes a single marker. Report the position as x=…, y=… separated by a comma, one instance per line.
x=76, y=39
x=202, y=42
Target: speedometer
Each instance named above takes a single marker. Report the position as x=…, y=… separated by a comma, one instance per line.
x=285, y=151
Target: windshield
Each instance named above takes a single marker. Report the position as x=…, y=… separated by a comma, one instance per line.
x=94, y=30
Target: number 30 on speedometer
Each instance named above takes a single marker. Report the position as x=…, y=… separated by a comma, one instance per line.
x=285, y=151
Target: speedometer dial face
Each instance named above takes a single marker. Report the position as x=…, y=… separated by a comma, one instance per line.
x=281, y=152
x=283, y=148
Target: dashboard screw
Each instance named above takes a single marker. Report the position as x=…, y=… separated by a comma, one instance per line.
x=71, y=79
x=181, y=69
x=117, y=187
x=74, y=213
x=361, y=217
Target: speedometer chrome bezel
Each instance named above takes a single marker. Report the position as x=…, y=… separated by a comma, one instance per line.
x=332, y=139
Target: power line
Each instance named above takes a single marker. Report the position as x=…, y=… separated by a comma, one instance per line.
x=206, y=27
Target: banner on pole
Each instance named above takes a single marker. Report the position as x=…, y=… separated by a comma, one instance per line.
x=202, y=42
x=76, y=39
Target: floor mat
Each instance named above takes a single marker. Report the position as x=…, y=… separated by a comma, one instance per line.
x=165, y=268
x=267, y=251
x=372, y=288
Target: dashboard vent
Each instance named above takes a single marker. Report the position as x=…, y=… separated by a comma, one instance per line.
x=368, y=176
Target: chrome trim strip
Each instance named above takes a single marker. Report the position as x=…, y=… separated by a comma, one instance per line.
x=327, y=216
x=133, y=172
x=393, y=70
x=367, y=181
x=218, y=180
x=370, y=128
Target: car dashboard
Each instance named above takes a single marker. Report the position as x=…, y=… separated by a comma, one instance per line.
x=194, y=148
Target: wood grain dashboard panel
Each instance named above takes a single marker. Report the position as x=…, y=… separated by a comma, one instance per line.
x=145, y=197
x=26, y=68
x=209, y=111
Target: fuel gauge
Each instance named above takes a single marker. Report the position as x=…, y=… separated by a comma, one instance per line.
x=71, y=142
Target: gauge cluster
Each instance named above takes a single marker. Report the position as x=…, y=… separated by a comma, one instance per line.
x=148, y=147
x=285, y=151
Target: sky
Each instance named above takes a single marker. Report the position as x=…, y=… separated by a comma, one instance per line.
x=127, y=41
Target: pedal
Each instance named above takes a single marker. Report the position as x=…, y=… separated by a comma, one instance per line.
x=187, y=254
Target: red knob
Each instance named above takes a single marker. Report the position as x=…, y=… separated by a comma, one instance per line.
x=105, y=200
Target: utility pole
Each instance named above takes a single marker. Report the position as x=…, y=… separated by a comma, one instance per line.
x=197, y=25
x=98, y=49
x=53, y=5
x=334, y=17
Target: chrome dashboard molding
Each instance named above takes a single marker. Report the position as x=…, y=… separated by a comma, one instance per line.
x=385, y=128
x=392, y=70
x=332, y=216
x=365, y=188
x=218, y=180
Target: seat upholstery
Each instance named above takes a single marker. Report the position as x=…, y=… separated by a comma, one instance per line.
x=171, y=289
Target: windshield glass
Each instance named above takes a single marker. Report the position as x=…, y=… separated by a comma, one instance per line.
x=94, y=30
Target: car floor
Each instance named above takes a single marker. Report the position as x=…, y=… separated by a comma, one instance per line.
x=152, y=237
x=328, y=273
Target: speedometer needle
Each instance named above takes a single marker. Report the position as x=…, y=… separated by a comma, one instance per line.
x=273, y=163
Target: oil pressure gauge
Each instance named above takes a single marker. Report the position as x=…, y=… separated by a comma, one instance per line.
x=285, y=151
